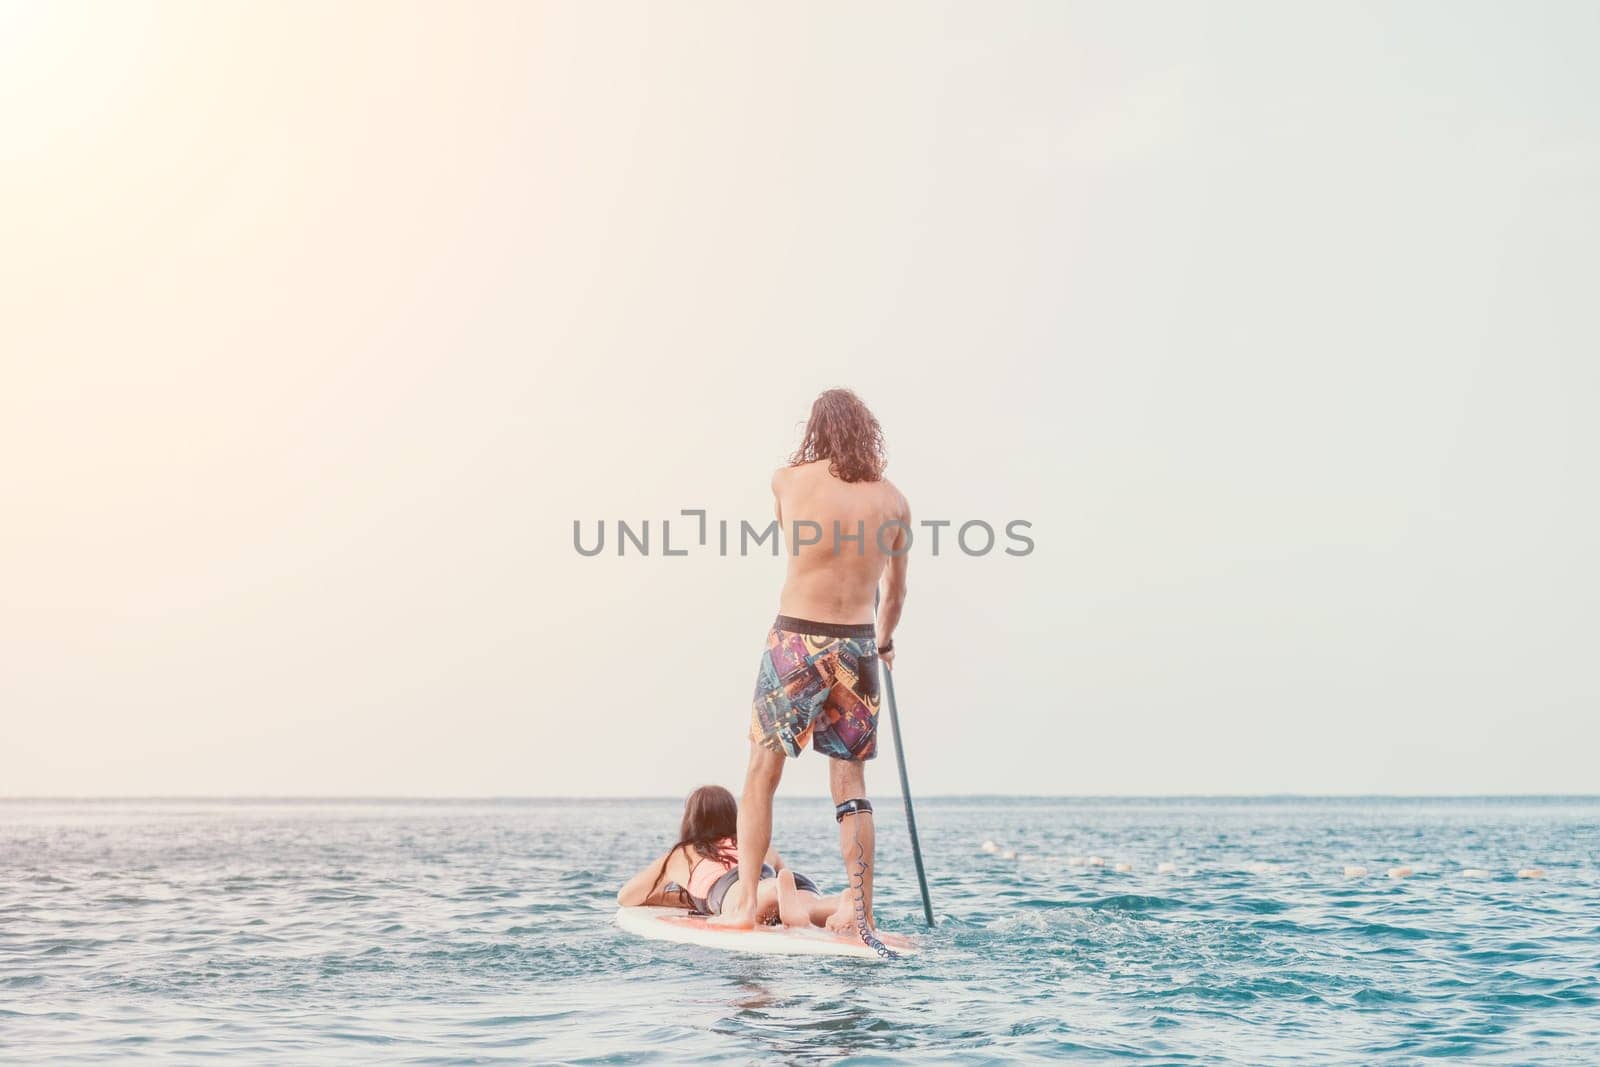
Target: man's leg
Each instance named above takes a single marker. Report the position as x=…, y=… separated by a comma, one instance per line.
x=755, y=830
x=847, y=779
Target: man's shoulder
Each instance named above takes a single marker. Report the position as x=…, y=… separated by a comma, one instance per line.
x=790, y=473
x=892, y=491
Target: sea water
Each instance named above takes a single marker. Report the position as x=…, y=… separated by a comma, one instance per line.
x=481, y=932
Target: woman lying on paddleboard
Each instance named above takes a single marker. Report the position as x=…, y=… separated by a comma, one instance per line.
x=701, y=871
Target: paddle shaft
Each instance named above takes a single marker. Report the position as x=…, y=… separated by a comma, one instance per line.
x=905, y=788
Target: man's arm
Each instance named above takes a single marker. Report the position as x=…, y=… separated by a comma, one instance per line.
x=892, y=586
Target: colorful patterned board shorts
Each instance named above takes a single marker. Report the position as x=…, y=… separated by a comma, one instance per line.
x=818, y=682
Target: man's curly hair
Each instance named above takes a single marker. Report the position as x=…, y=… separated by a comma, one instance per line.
x=842, y=431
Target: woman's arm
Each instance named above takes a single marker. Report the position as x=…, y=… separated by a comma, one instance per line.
x=641, y=885
x=774, y=859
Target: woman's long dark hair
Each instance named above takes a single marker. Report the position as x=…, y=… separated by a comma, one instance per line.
x=710, y=815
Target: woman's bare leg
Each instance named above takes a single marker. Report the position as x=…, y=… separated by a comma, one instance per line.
x=823, y=908
x=792, y=907
x=779, y=897
x=800, y=908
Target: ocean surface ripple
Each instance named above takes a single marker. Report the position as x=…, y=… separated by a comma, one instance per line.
x=434, y=932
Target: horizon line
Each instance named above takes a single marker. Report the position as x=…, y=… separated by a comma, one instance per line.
x=574, y=797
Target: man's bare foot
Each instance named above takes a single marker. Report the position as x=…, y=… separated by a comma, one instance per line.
x=843, y=921
x=791, y=909
x=742, y=919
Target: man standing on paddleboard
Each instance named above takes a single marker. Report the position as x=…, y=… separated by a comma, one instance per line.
x=849, y=531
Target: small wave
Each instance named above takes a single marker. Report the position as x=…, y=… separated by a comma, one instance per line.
x=1404, y=933
x=1133, y=903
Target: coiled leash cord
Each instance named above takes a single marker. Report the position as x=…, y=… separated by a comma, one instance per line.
x=858, y=878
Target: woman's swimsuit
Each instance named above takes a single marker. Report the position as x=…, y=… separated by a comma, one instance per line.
x=711, y=878
x=707, y=869
x=712, y=904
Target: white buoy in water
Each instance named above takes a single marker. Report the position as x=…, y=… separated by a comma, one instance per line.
x=1124, y=868
x=1401, y=872
x=1096, y=861
x=1474, y=872
x=1008, y=855
x=990, y=846
x=1076, y=861
x=1166, y=867
x=1355, y=871
x=1531, y=872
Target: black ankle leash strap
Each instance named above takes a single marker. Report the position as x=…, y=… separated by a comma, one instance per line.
x=852, y=807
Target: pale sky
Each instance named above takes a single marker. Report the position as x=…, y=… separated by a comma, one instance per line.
x=322, y=323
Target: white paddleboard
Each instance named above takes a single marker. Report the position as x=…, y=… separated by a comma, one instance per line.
x=676, y=924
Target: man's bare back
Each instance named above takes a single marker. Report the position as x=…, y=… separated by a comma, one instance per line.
x=833, y=580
